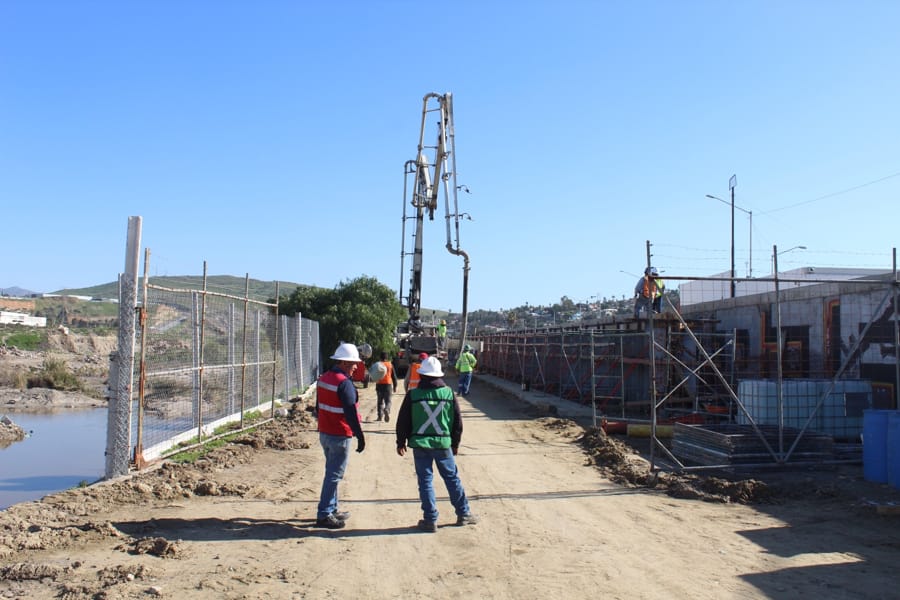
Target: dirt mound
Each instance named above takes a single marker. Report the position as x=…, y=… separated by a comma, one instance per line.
x=59, y=519
x=84, y=355
x=622, y=464
x=83, y=344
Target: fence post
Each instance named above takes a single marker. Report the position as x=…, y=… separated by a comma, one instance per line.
x=118, y=435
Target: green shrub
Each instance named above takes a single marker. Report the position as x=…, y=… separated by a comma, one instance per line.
x=55, y=375
x=12, y=377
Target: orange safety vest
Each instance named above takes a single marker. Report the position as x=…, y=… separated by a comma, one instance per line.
x=414, y=376
x=650, y=290
x=387, y=374
x=331, y=410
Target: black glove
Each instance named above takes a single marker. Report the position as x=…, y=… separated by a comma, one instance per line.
x=360, y=444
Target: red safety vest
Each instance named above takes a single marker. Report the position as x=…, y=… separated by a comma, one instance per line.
x=331, y=411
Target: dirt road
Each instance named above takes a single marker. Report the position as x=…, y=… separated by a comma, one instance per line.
x=241, y=525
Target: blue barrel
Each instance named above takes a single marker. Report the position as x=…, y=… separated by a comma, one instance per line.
x=875, y=427
x=893, y=449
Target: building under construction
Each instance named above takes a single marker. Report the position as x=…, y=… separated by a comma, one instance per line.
x=763, y=378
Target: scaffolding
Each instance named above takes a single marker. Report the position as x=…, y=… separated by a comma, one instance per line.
x=770, y=378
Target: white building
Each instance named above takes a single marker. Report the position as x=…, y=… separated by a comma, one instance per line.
x=718, y=287
x=14, y=318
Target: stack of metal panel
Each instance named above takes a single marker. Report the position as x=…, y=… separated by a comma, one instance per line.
x=731, y=444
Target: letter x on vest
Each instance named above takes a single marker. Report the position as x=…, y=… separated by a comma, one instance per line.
x=432, y=418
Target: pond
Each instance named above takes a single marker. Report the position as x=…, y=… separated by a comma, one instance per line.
x=63, y=450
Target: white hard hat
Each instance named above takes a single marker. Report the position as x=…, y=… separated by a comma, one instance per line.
x=365, y=350
x=431, y=367
x=348, y=352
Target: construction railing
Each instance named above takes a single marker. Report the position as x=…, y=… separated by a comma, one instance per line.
x=608, y=370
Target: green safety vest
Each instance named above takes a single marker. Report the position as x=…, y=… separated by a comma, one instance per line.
x=432, y=417
x=466, y=362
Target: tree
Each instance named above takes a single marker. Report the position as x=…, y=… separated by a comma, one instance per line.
x=358, y=311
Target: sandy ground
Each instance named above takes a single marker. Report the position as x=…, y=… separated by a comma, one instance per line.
x=240, y=524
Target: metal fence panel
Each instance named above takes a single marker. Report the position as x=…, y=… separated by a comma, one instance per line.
x=207, y=359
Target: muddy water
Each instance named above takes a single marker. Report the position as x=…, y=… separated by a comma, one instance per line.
x=63, y=450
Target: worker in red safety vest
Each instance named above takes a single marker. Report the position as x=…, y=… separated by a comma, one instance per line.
x=336, y=410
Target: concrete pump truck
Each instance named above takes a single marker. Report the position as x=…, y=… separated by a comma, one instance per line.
x=434, y=168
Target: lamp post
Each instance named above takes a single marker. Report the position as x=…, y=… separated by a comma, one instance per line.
x=732, y=183
x=776, y=254
x=750, y=214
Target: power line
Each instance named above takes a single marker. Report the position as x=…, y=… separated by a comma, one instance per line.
x=831, y=195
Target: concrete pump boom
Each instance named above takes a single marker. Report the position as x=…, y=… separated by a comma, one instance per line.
x=434, y=168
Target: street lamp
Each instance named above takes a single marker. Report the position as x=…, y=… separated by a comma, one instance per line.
x=777, y=254
x=731, y=185
x=750, y=214
x=732, y=182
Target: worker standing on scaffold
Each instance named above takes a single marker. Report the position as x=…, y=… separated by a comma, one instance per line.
x=648, y=292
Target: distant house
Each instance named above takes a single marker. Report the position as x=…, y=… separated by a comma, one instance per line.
x=14, y=318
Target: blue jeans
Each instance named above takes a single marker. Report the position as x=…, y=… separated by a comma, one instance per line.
x=446, y=466
x=465, y=380
x=337, y=452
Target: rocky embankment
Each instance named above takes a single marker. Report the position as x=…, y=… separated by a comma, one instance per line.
x=10, y=432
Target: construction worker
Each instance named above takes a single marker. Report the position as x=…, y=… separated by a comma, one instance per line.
x=383, y=388
x=660, y=288
x=465, y=364
x=411, y=381
x=430, y=423
x=337, y=412
x=648, y=292
x=442, y=334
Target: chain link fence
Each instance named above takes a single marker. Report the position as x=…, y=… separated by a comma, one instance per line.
x=208, y=359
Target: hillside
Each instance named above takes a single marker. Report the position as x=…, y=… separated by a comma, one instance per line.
x=224, y=284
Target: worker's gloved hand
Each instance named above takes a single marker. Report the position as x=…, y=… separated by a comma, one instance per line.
x=360, y=444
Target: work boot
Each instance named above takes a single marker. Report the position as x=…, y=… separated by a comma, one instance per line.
x=427, y=526
x=341, y=515
x=330, y=522
x=468, y=519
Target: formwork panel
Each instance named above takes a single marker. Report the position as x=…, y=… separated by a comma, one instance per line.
x=732, y=444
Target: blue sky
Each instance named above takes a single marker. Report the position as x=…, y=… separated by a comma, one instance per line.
x=269, y=138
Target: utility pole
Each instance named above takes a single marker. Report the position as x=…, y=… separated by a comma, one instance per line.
x=731, y=185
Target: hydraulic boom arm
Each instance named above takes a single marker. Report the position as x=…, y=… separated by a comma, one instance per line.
x=433, y=169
